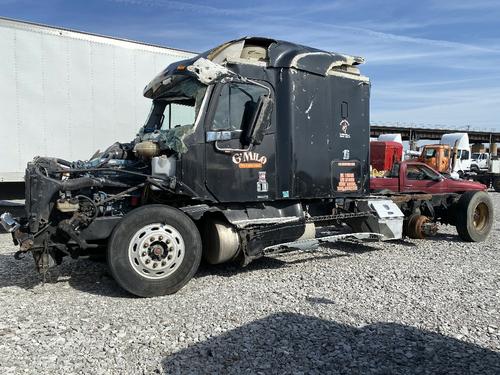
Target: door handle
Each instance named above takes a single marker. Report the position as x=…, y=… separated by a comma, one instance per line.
x=227, y=150
x=226, y=135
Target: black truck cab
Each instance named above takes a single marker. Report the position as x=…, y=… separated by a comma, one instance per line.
x=314, y=136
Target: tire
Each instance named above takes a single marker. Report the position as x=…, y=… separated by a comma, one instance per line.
x=155, y=250
x=496, y=184
x=474, y=216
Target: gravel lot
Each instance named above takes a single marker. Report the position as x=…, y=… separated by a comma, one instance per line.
x=412, y=307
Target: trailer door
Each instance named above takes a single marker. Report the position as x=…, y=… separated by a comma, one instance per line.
x=236, y=171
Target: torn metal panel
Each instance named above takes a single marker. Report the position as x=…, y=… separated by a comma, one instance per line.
x=343, y=74
x=207, y=71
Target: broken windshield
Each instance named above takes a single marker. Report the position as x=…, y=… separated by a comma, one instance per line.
x=177, y=103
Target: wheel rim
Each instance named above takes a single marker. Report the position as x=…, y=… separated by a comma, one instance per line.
x=156, y=251
x=416, y=226
x=481, y=216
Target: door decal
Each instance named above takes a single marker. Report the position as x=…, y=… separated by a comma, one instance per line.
x=249, y=160
x=344, y=128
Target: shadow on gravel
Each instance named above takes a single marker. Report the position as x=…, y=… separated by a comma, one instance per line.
x=446, y=237
x=81, y=274
x=264, y=263
x=288, y=343
x=91, y=276
x=352, y=247
x=403, y=242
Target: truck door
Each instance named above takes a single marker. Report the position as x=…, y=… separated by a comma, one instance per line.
x=420, y=178
x=235, y=170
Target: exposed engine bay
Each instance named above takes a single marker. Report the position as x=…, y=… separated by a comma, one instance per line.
x=65, y=198
x=72, y=207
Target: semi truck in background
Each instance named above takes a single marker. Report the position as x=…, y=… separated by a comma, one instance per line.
x=461, y=152
x=72, y=92
x=480, y=161
x=452, y=155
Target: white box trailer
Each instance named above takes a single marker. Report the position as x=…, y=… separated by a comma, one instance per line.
x=69, y=93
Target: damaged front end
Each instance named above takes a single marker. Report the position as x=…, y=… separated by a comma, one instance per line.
x=63, y=201
x=73, y=207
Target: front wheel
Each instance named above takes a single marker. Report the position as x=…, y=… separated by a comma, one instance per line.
x=155, y=250
x=474, y=219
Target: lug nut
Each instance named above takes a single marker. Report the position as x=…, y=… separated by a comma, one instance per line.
x=152, y=239
x=155, y=265
x=163, y=263
x=144, y=254
x=168, y=240
x=160, y=238
x=148, y=261
x=146, y=244
x=169, y=257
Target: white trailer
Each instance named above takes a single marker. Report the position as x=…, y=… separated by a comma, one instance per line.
x=70, y=93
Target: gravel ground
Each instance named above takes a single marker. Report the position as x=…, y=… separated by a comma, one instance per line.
x=414, y=307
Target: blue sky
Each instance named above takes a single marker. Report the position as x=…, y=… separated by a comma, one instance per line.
x=433, y=62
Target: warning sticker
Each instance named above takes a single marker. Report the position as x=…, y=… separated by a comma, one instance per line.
x=347, y=182
x=346, y=175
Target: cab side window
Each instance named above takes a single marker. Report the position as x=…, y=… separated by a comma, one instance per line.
x=236, y=105
x=420, y=173
x=414, y=173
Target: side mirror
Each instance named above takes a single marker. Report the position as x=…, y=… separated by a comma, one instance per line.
x=437, y=178
x=260, y=120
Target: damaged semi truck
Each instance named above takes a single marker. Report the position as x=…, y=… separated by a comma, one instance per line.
x=277, y=159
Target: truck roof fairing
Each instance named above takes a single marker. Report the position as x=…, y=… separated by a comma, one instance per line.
x=280, y=54
x=272, y=53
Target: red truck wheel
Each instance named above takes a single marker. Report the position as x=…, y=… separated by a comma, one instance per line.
x=474, y=216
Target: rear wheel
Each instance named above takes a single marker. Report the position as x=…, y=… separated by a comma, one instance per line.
x=474, y=216
x=155, y=250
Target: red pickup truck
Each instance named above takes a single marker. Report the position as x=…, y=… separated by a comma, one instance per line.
x=412, y=176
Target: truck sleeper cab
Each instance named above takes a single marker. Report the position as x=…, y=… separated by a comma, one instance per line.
x=275, y=157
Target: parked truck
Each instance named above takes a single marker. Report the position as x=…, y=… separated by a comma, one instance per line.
x=276, y=159
x=68, y=91
x=435, y=199
x=413, y=176
x=460, y=152
x=451, y=156
x=480, y=161
x=438, y=157
x=489, y=177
